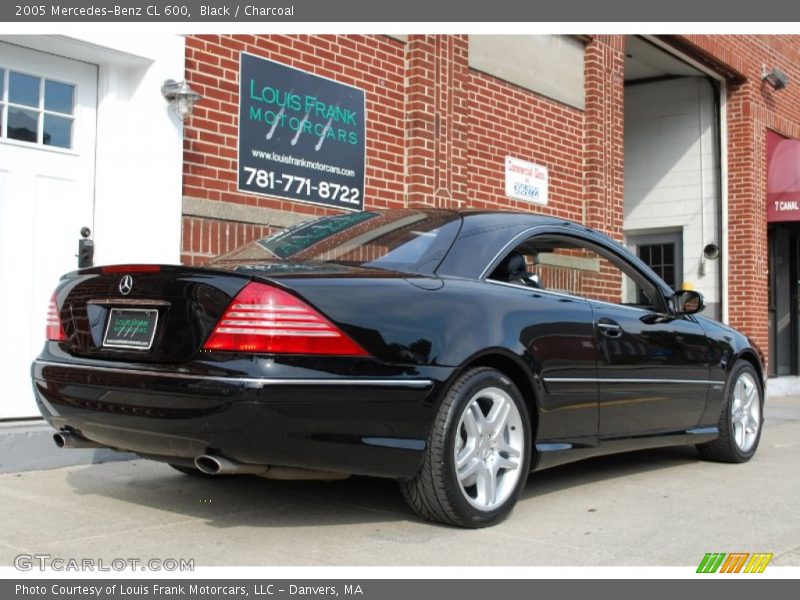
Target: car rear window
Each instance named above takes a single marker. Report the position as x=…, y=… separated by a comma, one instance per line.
x=413, y=241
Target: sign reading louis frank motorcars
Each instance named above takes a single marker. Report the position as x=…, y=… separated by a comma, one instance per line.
x=301, y=136
x=526, y=181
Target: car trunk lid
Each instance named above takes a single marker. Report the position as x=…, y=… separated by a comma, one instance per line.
x=143, y=313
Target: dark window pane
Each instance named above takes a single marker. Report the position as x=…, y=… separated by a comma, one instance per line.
x=2, y=83
x=658, y=257
x=22, y=124
x=669, y=276
x=57, y=131
x=23, y=89
x=59, y=97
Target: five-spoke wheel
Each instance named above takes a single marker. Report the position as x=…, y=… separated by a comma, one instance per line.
x=746, y=412
x=488, y=448
x=478, y=453
x=740, y=420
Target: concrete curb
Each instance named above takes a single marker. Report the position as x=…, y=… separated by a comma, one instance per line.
x=28, y=446
x=781, y=387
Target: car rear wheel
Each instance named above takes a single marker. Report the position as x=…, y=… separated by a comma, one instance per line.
x=478, y=453
x=741, y=419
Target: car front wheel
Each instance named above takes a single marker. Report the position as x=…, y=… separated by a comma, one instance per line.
x=478, y=453
x=741, y=418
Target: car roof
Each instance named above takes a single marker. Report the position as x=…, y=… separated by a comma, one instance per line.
x=486, y=233
x=477, y=216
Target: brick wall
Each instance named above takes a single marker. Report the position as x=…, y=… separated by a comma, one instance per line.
x=603, y=135
x=204, y=238
x=505, y=120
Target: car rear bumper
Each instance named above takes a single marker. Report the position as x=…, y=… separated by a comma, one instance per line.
x=320, y=420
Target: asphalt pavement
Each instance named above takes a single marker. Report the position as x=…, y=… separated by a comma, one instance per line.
x=651, y=508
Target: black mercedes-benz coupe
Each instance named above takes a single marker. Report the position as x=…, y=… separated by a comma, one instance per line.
x=453, y=351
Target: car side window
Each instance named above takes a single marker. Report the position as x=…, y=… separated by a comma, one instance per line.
x=518, y=267
x=578, y=268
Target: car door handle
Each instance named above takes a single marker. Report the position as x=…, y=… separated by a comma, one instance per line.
x=609, y=328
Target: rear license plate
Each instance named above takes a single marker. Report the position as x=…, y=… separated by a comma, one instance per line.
x=130, y=328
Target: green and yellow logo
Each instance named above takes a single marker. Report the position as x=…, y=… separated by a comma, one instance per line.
x=734, y=562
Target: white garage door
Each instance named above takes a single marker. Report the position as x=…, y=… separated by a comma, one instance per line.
x=48, y=106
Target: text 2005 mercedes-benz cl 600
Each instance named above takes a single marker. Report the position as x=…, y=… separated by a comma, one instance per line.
x=452, y=351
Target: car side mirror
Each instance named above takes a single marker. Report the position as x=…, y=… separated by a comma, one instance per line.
x=688, y=302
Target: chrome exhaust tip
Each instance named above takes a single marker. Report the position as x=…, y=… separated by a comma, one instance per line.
x=65, y=439
x=216, y=465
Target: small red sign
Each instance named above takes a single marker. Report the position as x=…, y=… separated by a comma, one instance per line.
x=783, y=178
x=783, y=207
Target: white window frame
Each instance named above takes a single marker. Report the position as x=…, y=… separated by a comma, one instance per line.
x=39, y=144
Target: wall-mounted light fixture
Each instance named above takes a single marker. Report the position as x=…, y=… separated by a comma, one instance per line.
x=180, y=96
x=711, y=251
x=775, y=77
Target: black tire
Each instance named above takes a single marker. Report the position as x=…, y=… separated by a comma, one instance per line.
x=726, y=448
x=436, y=492
x=191, y=471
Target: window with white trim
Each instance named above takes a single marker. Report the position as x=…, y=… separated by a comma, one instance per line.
x=36, y=110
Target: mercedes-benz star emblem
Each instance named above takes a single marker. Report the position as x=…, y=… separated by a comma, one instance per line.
x=126, y=285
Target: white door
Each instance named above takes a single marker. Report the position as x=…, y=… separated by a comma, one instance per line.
x=48, y=106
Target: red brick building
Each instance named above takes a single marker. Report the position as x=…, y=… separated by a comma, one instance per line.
x=660, y=142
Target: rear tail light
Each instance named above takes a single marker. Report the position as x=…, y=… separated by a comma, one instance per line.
x=262, y=318
x=55, y=332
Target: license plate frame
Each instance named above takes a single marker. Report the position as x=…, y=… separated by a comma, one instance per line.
x=140, y=332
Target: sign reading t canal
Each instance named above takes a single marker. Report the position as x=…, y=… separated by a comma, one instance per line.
x=301, y=136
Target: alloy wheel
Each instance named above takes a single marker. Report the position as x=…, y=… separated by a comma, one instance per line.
x=745, y=412
x=488, y=449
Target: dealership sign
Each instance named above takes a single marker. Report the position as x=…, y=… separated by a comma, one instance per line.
x=301, y=136
x=526, y=181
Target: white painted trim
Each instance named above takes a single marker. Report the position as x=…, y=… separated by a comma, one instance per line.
x=684, y=57
x=91, y=49
x=723, y=174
